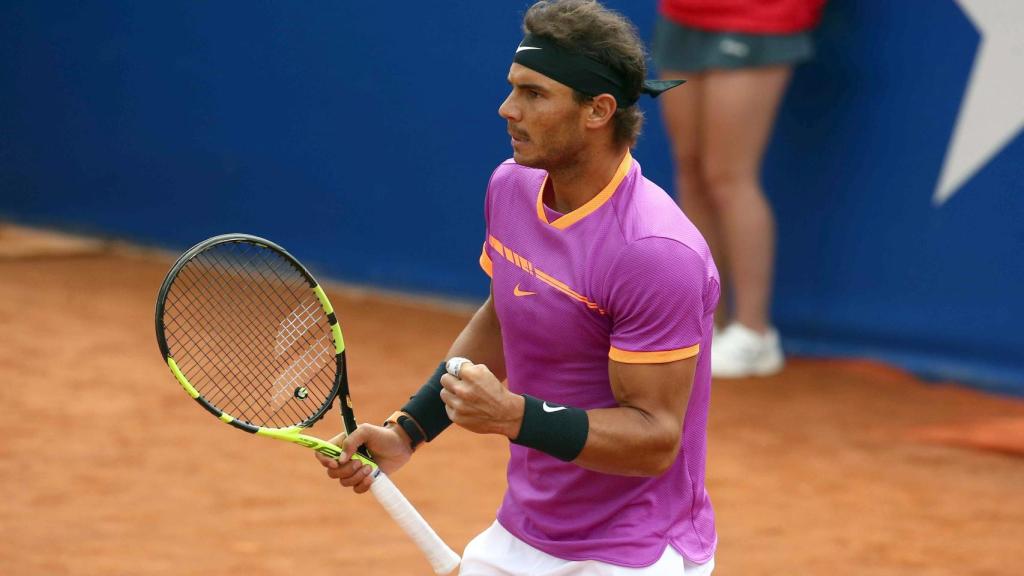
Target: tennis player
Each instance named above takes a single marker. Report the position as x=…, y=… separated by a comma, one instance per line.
x=599, y=320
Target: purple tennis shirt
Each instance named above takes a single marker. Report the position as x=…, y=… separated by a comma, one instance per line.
x=628, y=277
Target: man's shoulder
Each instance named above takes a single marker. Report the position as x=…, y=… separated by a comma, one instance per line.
x=512, y=189
x=650, y=211
x=653, y=225
x=510, y=173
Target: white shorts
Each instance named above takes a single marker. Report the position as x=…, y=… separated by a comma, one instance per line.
x=496, y=552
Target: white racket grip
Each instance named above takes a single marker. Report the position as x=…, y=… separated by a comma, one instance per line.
x=442, y=558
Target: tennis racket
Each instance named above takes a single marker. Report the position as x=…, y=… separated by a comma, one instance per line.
x=250, y=335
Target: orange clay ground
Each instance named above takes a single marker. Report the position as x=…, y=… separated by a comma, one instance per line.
x=108, y=468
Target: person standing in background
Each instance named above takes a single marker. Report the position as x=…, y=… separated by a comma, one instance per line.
x=737, y=56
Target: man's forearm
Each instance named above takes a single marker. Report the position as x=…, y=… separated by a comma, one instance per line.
x=481, y=338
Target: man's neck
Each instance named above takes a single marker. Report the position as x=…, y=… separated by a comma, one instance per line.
x=575, y=185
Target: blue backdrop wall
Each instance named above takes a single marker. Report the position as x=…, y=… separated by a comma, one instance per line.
x=361, y=135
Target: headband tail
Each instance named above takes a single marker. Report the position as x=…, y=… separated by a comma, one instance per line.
x=654, y=88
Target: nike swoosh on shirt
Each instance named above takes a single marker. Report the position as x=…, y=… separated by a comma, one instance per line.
x=551, y=408
x=521, y=48
x=519, y=292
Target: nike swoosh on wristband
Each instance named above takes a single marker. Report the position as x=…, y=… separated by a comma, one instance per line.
x=551, y=408
x=519, y=292
x=521, y=48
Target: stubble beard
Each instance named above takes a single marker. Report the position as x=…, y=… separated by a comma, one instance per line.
x=557, y=156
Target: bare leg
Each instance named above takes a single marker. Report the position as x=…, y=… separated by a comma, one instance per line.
x=738, y=110
x=680, y=109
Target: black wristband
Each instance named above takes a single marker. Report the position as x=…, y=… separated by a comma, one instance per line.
x=427, y=408
x=560, y=431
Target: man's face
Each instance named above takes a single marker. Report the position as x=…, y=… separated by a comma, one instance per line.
x=545, y=122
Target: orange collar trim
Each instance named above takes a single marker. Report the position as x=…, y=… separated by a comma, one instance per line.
x=593, y=204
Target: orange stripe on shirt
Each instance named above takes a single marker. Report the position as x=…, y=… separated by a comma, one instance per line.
x=658, y=357
x=485, y=262
x=561, y=287
x=525, y=265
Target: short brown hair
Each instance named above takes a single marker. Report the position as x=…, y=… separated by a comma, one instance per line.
x=586, y=27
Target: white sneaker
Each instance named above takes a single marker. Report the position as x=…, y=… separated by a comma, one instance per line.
x=739, y=352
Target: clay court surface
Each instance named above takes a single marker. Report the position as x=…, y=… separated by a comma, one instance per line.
x=107, y=467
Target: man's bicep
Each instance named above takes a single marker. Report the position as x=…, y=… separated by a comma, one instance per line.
x=660, y=390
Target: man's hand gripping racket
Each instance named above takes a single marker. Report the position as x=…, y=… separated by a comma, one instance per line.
x=250, y=335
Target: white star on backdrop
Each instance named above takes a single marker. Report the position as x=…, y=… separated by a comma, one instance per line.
x=992, y=111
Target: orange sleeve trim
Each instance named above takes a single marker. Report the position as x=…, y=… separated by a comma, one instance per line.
x=658, y=357
x=485, y=262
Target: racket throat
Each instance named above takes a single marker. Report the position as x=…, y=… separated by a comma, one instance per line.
x=294, y=435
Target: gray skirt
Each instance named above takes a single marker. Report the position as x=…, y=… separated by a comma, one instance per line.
x=685, y=49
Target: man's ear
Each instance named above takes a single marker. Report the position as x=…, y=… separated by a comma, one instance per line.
x=601, y=109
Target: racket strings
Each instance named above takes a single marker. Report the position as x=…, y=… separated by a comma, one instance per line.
x=221, y=351
x=292, y=379
x=295, y=325
x=261, y=294
x=258, y=291
x=245, y=327
x=214, y=340
x=252, y=353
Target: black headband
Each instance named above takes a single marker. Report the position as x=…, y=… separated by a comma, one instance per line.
x=582, y=73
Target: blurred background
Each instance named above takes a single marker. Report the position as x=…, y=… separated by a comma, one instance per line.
x=360, y=136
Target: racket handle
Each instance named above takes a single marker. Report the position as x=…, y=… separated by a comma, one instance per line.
x=442, y=558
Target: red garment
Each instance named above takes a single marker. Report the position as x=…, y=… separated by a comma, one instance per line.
x=747, y=16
